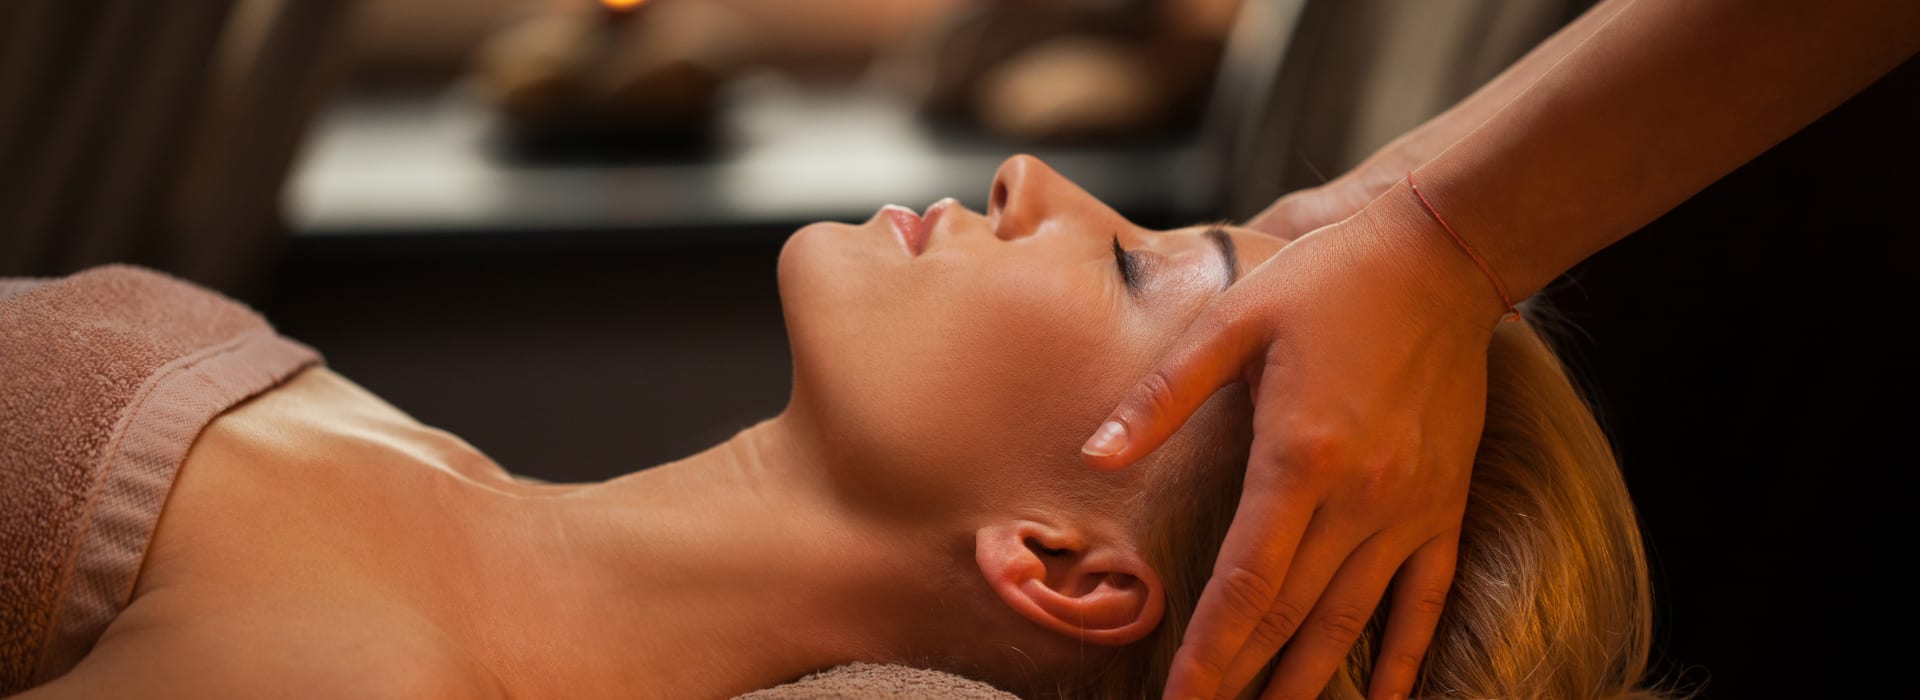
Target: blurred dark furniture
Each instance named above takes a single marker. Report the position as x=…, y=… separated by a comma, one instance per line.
x=1309, y=88
x=154, y=132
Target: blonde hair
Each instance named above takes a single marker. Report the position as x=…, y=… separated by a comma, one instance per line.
x=1550, y=596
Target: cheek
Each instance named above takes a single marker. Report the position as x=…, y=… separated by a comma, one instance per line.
x=959, y=382
x=1040, y=346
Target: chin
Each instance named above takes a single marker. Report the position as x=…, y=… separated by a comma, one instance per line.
x=828, y=302
x=803, y=250
x=835, y=266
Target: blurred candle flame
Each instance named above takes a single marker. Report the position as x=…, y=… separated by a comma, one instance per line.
x=622, y=5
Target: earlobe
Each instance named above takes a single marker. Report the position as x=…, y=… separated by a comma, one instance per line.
x=1093, y=590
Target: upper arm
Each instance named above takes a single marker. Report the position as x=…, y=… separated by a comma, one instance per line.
x=253, y=657
x=170, y=663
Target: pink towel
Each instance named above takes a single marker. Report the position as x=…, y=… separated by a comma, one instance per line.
x=106, y=378
x=880, y=682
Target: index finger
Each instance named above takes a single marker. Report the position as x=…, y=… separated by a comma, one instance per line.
x=1210, y=354
x=1268, y=526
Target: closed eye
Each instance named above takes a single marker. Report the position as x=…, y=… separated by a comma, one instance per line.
x=1128, y=264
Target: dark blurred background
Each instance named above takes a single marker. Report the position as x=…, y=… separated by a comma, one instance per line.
x=550, y=226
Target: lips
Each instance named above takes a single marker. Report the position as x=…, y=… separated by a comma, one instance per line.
x=908, y=227
x=914, y=230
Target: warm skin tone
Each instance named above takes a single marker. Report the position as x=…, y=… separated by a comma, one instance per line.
x=1365, y=342
x=920, y=501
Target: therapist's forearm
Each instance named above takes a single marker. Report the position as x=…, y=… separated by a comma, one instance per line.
x=1659, y=102
x=1387, y=165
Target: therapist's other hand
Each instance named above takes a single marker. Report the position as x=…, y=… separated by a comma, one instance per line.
x=1365, y=346
x=1304, y=210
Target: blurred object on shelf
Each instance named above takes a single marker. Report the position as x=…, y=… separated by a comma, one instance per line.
x=1085, y=70
x=409, y=45
x=832, y=40
x=793, y=152
x=631, y=76
x=1072, y=88
x=728, y=121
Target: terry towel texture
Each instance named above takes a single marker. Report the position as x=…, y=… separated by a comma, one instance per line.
x=880, y=682
x=106, y=378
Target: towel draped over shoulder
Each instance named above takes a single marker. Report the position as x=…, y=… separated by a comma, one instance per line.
x=106, y=379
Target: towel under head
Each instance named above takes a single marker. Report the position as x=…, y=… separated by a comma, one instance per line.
x=881, y=682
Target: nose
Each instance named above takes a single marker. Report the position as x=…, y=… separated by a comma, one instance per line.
x=1026, y=194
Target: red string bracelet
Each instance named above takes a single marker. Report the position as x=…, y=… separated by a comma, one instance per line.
x=1513, y=313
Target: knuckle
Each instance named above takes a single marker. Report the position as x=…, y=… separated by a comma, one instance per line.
x=1428, y=601
x=1376, y=485
x=1316, y=447
x=1342, y=623
x=1248, y=593
x=1155, y=395
x=1209, y=666
x=1277, y=626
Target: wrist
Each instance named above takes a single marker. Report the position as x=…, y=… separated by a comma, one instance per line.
x=1405, y=235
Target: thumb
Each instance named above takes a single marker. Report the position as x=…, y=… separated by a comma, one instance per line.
x=1209, y=355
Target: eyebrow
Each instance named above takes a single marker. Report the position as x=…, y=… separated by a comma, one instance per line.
x=1229, y=255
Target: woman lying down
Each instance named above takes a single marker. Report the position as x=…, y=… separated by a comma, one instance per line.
x=921, y=501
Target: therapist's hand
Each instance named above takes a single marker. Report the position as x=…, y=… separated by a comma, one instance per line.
x=1303, y=210
x=1365, y=346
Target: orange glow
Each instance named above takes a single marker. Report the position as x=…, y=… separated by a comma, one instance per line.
x=622, y=4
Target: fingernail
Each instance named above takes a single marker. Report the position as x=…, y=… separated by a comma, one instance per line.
x=1108, y=441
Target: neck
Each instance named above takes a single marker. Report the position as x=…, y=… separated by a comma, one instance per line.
x=722, y=573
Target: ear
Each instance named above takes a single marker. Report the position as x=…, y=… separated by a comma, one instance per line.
x=1094, y=590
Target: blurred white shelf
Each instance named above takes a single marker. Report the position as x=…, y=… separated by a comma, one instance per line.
x=788, y=154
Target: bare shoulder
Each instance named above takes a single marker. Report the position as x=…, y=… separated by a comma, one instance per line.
x=278, y=566
x=313, y=651
x=318, y=412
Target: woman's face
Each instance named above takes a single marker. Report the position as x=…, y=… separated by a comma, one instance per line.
x=954, y=362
